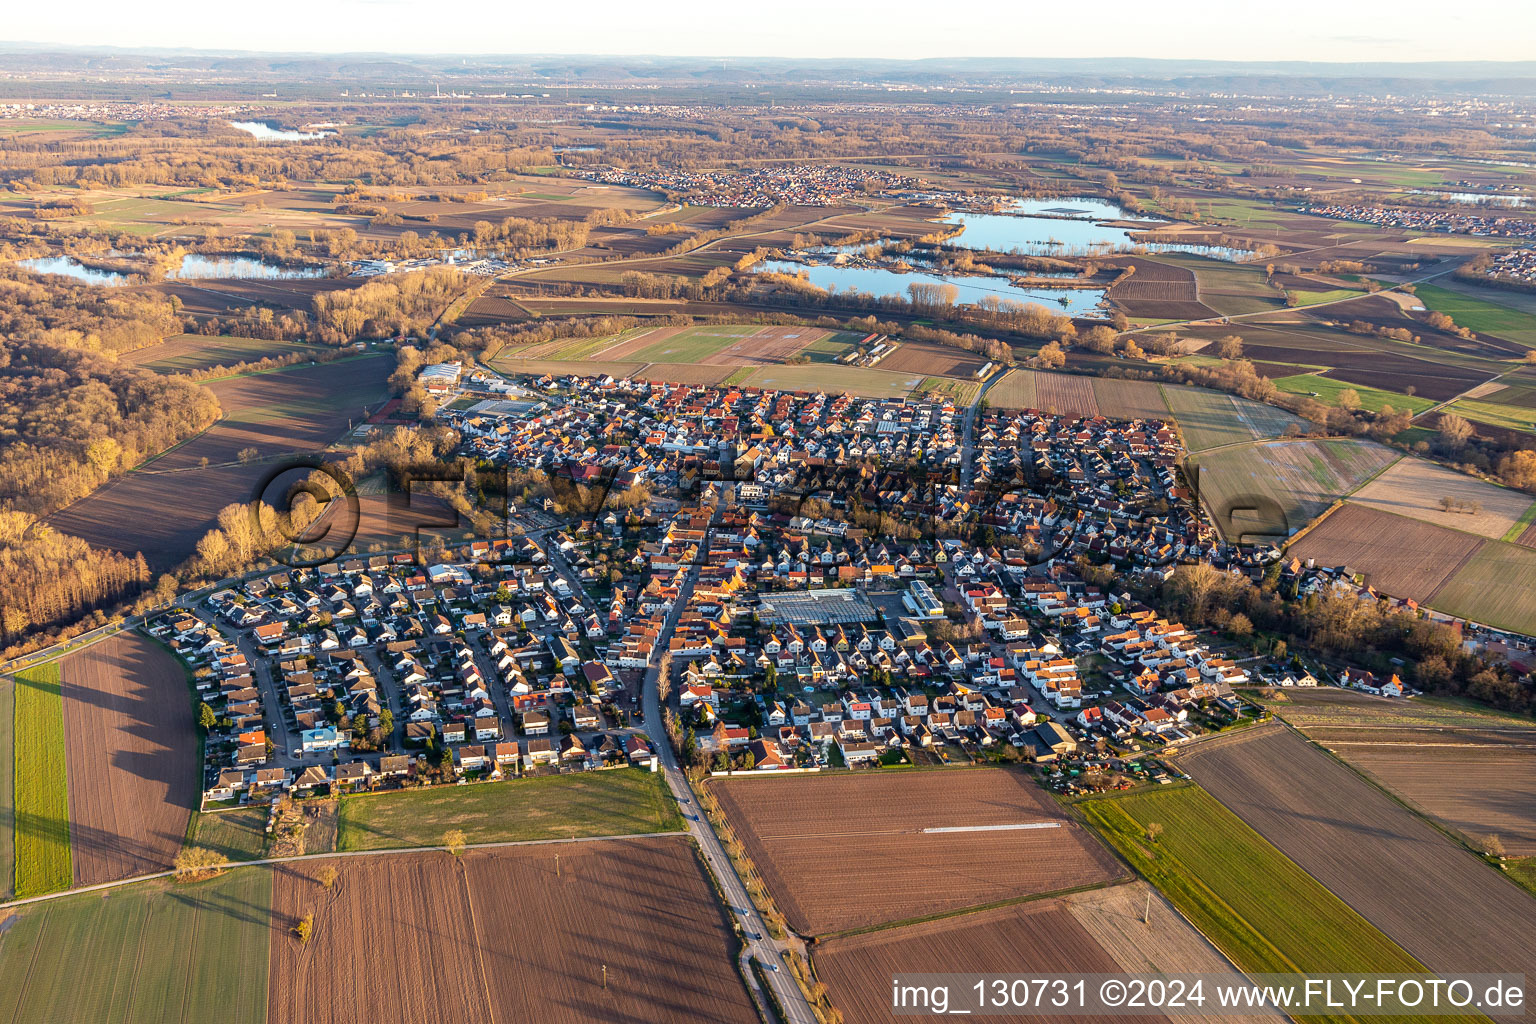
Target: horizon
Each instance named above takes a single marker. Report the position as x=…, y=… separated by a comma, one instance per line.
x=1314, y=32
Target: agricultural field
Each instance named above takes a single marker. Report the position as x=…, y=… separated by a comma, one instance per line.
x=511, y=935
x=190, y=352
x=844, y=852
x=620, y=801
x=151, y=951
x=1148, y=936
x=131, y=745
x=1327, y=391
x=7, y=788
x=854, y=380
x=1299, y=479
x=1398, y=556
x=40, y=784
x=1415, y=487
x=1484, y=315
x=1066, y=395
x=1313, y=710
x=1441, y=903
x=1210, y=419
x=236, y=834
x=1228, y=288
x=1130, y=399
x=1043, y=936
x=166, y=506
x=937, y=360
x=1362, y=361
x=1473, y=786
x=1494, y=586
x=1261, y=909
x=1510, y=417
x=1014, y=390
x=1158, y=291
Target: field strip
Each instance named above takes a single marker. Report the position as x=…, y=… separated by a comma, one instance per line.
x=996, y=828
x=394, y=850
x=1526, y=519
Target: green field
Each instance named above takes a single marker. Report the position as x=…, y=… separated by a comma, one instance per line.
x=1480, y=314
x=1208, y=419
x=1493, y=587
x=694, y=344
x=1228, y=288
x=1327, y=391
x=239, y=834
x=1301, y=477
x=153, y=951
x=1312, y=298
x=7, y=791
x=615, y=802
x=41, y=790
x=189, y=352
x=1258, y=906
x=828, y=349
x=1511, y=417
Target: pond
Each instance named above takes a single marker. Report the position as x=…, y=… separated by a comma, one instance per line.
x=193, y=267
x=1066, y=227
x=1474, y=198
x=267, y=133
x=883, y=282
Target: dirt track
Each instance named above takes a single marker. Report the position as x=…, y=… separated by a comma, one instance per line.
x=132, y=758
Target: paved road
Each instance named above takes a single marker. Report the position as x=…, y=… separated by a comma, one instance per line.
x=797, y=1010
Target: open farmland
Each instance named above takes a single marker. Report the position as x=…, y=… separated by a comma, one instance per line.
x=1390, y=366
x=1227, y=288
x=7, y=788
x=1441, y=903
x=190, y=352
x=1473, y=308
x=519, y=934
x=1415, y=487
x=1493, y=586
x=239, y=833
x=1130, y=399
x=1261, y=909
x=1210, y=419
x=1158, y=291
x=151, y=951
x=1399, y=556
x=1014, y=390
x=1300, y=478
x=164, y=507
x=1478, y=789
x=853, y=380
x=41, y=804
x=609, y=803
x=1066, y=395
x=1149, y=936
x=1042, y=937
x=1311, y=709
x=132, y=752
x=1327, y=391
x=938, y=360
x=843, y=852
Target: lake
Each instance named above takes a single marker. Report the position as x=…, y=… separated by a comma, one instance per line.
x=880, y=281
x=193, y=267
x=267, y=133
x=1474, y=198
x=1066, y=227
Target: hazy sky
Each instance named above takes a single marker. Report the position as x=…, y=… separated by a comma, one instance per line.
x=1326, y=30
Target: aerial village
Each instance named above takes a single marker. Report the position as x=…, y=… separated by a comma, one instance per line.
x=821, y=582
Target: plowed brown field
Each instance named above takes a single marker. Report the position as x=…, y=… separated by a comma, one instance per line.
x=846, y=851
x=1439, y=902
x=1067, y=394
x=502, y=936
x=1399, y=556
x=1033, y=938
x=131, y=748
